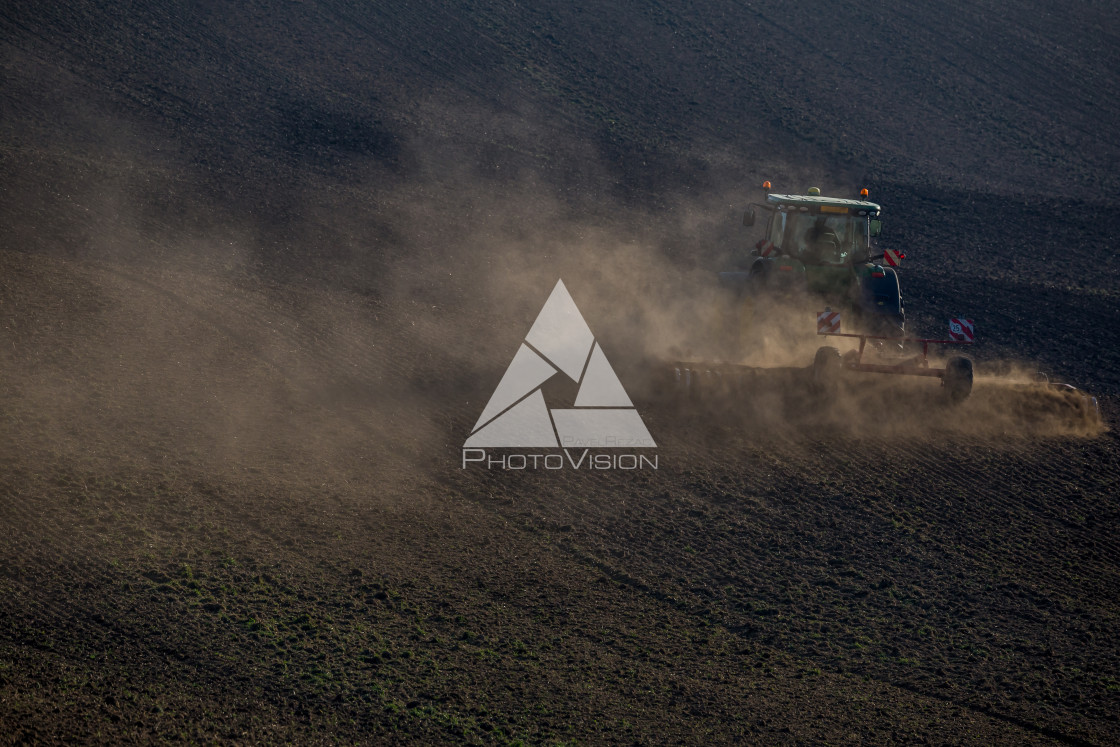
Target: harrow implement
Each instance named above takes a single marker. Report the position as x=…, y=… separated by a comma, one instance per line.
x=956, y=376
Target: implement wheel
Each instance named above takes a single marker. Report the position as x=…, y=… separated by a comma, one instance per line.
x=827, y=366
x=958, y=379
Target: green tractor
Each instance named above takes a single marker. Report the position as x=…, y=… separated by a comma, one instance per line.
x=816, y=259
x=817, y=251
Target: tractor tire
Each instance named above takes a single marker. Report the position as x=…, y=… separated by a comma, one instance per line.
x=827, y=367
x=958, y=379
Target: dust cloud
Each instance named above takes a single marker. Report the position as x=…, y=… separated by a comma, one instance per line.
x=359, y=348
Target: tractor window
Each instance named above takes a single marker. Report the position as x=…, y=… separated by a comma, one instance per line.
x=777, y=229
x=825, y=239
x=860, y=247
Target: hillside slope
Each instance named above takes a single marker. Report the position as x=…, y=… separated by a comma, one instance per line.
x=261, y=266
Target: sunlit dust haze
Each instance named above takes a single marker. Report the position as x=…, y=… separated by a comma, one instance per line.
x=350, y=329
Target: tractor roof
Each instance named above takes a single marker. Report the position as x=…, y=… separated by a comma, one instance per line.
x=818, y=201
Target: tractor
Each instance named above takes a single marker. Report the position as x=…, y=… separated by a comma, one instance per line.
x=821, y=246
x=816, y=255
x=816, y=258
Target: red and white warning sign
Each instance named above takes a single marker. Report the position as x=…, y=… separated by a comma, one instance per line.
x=766, y=248
x=961, y=330
x=893, y=258
x=828, y=323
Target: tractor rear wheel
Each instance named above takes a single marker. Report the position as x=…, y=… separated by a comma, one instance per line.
x=958, y=379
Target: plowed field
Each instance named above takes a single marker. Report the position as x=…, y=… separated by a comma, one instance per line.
x=262, y=267
x=241, y=521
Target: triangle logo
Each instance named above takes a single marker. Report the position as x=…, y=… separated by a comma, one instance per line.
x=559, y=342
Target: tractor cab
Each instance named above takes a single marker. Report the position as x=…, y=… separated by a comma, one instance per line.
x=821, y=245
x=819, y=231
x=820, y=239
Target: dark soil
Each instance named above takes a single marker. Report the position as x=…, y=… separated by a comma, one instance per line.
x=261, y=267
